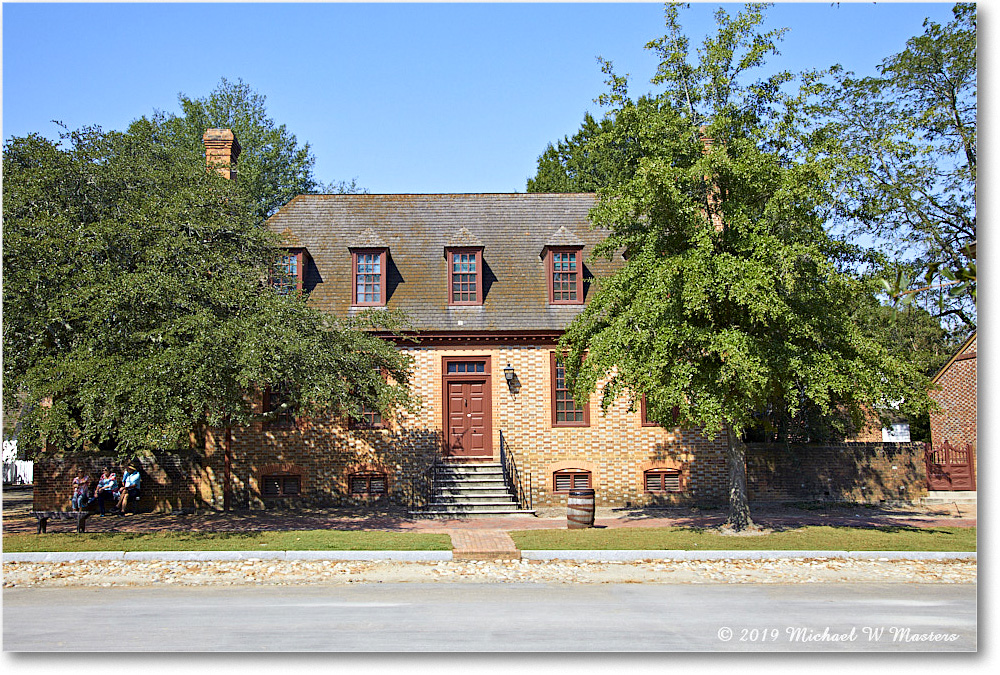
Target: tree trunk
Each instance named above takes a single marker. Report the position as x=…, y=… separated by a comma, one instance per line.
x=739, y=504
x=227, y=488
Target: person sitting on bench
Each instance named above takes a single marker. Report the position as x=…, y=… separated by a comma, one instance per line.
x=130, y=488
x=81, y=491
x=107, y=489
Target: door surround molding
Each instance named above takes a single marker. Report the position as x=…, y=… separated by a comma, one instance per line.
x=486, y=378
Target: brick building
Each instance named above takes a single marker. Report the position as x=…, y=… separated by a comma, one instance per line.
x=488, y=282
x=953, y=429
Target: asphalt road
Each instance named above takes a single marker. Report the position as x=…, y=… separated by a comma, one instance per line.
x=457, y=617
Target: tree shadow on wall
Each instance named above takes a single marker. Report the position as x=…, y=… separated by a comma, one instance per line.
x=405, y=457
x=849, y=484
x=864, y=473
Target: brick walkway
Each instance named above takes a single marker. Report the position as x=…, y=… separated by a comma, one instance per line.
x=483, y=545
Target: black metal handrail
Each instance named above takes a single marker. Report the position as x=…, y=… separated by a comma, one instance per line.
x=426, y=491
x=511, y=476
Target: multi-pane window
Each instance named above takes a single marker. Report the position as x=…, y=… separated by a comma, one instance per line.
x=287, y=275
x=644, y=417
x=369, y=277
x=465, y=277
x=274, y=399
x=662, y=480
x=281, y=485
x=565, y=411
x=466, y=366
x=565, y=276
x=369, y=483
x=370, y=418
x=564, y=481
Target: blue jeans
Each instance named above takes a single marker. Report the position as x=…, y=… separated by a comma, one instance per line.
x=105, y=495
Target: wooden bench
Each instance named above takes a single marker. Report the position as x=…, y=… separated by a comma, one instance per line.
x=44, y=517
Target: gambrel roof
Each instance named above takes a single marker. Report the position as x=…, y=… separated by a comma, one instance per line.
x=512, y=229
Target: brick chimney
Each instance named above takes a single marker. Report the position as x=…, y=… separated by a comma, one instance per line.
x=221, y=151
x=714, y=201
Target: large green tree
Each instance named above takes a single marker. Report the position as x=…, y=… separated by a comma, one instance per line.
x=733, y=297
x=905, y=141
x=273, y=168
x=138, y=305
x=593, y=158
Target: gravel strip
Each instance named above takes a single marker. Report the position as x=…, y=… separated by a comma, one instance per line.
x=107, y=573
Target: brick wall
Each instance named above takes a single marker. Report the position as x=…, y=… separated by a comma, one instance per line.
x=325, y=454
x=956, y=423
x=857, y=472
x=168, y=482
x=616, y=448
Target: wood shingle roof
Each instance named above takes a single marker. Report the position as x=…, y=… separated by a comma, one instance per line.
x=512, y=229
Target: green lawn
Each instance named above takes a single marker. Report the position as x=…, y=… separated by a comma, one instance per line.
x=666, y=538
x=302, y=540
x=820, y=538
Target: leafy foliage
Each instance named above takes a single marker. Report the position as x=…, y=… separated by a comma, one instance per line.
x=137, y=302
x=733, y=297
x=905, y=144
x=272, y=167
x=590, y=159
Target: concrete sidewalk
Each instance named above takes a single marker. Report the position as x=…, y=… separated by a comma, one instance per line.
x=470, y=554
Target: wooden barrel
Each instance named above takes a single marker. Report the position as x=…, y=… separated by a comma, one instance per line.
x=580, y=509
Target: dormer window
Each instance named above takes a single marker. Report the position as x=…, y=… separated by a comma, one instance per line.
x=563, y=256
x=465, y=277
x=369, y=276
x=565, y=272
x=288, y=272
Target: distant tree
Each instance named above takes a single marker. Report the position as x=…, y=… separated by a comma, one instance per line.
x=273, y=167
x=910, y=334
x=138, y=306
x=341, y=187
x=577, y=164
x=733, y=297
x=905, y=142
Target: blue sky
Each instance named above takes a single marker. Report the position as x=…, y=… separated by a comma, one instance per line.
x=402, y=97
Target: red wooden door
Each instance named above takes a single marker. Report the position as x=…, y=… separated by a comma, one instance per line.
x=468, y=419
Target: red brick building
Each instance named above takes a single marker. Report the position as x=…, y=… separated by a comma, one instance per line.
x=488, y=282
x=953, y=429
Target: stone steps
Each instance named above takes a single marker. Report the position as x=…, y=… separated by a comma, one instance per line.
x=949, y=497
x=470, y=490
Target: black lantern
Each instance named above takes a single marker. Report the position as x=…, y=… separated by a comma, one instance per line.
x=512, y=382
